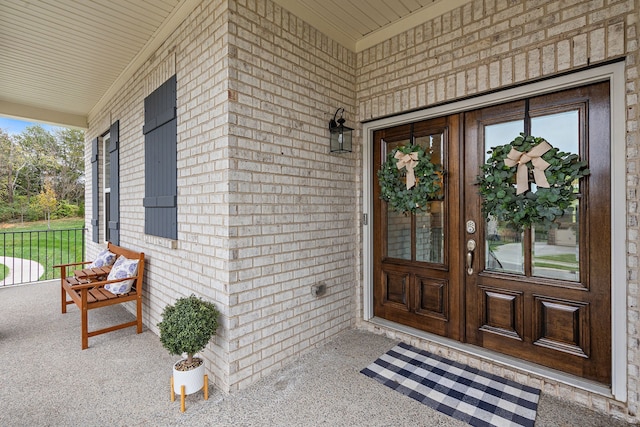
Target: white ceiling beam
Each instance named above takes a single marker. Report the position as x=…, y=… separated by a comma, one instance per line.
x=41, y=115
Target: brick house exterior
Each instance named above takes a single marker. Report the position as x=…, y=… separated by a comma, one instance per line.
x=265, y=211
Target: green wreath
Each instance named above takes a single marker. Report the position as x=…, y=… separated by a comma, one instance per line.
x=396, y=185
x=508, y=198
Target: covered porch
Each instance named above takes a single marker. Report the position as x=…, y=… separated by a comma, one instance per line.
x=262, y=212
x=123, y=379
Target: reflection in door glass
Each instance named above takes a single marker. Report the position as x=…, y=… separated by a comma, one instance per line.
x=429, y=233
x=556, y=252
x=504, y=248
x=398, y=235
x=398, y=224
x=430, y=224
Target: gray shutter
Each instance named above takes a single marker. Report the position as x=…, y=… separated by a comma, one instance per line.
x=161, y=183
x=114, y=200
x=95, y=190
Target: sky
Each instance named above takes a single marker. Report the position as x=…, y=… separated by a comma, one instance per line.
x=14, y=126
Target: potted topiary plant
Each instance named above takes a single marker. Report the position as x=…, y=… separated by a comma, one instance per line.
x=186, y=328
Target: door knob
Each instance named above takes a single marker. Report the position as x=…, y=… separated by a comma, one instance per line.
x=471, y=246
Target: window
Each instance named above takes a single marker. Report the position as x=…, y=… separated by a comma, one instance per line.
x=160, y=161
x=107, y=196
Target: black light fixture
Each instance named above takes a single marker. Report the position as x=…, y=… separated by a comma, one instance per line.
x=340, y=140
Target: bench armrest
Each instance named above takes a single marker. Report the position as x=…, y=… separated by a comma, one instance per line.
x=72, y=264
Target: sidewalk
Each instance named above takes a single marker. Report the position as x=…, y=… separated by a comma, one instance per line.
x=20, y=270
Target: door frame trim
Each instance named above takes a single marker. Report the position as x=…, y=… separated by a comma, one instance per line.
x=615, y=74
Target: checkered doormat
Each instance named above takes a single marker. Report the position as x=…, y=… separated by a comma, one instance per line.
x=462, y=392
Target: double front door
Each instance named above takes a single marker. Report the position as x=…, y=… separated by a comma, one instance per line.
x=541, y=295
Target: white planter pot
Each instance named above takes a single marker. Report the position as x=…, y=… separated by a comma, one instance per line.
x=192, y=380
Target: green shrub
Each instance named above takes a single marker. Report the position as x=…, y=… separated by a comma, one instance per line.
x=65, y=210
x=187, y=326
x=7, y=212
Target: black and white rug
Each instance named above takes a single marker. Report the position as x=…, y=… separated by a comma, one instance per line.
x=460, y=391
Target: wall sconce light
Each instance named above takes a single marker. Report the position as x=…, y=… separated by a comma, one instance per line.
x=340, y=140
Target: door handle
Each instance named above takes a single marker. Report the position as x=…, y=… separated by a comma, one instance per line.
x=471, y=246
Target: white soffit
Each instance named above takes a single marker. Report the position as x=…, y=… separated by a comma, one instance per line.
x=361, y=24
x=62, y=60
x=58, y=58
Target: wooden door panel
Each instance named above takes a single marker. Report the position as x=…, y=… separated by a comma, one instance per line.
x=561, y=325
x=501, y=312
x=395, y=288
x=432, y=297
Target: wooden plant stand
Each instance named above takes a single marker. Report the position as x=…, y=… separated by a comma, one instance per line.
x=205, y=388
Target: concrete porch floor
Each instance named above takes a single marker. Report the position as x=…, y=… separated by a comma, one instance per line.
x=123, y=379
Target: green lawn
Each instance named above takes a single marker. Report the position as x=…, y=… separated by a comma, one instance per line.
x=556, y=266
x=34, y=241
x=568, y=258
x=4, y=270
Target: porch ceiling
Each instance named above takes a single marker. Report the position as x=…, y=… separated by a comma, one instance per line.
x=62, y=59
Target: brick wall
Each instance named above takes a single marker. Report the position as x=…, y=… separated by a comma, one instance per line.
x=292, y=204
x=198, y=262
x=488, y=45
x=264, y=211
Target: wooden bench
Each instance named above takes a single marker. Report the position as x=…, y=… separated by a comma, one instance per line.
x=86, y=290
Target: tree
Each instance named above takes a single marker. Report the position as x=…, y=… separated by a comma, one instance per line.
x=69, y=181
x=12, y=161
x=47, y=202
x=40, y=150
x=36, y=156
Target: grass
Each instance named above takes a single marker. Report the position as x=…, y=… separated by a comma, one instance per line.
x=4, y=270
x=566, y=262
x=556, y=266
x=49, y=247
x=568, y=258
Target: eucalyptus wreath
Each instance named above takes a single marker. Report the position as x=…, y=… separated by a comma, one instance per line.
x=500, y=198
x=393, y=181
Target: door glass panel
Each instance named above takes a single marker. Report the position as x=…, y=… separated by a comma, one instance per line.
x=501, y=134
x=430, y=234
x=398, y=224
x=556, y=252
x=430, y=224
x=560, y=130
x=504, y=247
x=398, y=235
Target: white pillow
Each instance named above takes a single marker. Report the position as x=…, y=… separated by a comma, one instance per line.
x=122, y=268
x=104, y=259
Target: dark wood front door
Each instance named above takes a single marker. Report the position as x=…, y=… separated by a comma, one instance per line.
x=542, y=296
x=417, y=257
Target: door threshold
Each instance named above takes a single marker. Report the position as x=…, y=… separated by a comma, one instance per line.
x=501, y=359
